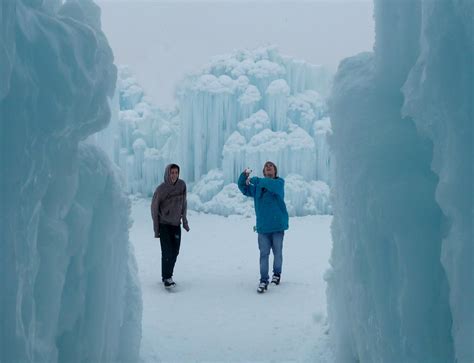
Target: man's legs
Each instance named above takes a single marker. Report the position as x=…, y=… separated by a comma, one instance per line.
x=176, y=237
x=277, y=248
x=264, y=245
x=169, y=249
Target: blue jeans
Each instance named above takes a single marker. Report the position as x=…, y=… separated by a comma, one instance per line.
x=266, y=242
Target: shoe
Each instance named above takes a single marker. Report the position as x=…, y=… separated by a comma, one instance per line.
x=276, y=279
x=262, y=287
x=169, y=283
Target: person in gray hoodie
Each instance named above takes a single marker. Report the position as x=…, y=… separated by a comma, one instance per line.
x=168, y=208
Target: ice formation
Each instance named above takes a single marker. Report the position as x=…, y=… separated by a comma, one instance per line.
x=147, y=136
x=240, y=110
x=67, y=272
x=213, y=194
x=400, y=285
x=292, y=152
x=235, y=92
x=303, y=198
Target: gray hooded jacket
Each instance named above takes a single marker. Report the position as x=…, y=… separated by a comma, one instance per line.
x=169, y=205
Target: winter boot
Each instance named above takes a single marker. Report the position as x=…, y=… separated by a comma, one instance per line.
x=262, y=287
x=276, y=279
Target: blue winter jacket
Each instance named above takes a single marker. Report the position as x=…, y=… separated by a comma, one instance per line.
x=269, y=198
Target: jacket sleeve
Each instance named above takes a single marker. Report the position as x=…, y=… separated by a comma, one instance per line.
x=248, y=190
x=155, y=202
x=184, y=210
x=275, y=186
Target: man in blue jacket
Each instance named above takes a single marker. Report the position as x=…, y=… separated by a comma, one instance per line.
x=272, y=218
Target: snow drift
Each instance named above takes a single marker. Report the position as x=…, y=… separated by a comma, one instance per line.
x=67, y=271
x=400, y=285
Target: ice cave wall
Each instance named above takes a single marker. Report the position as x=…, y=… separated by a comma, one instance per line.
x=67, y=271
x=400, y=283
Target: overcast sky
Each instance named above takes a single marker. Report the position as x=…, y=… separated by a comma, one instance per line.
x=162, y=40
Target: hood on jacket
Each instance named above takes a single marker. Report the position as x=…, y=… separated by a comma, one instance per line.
x=167, y=176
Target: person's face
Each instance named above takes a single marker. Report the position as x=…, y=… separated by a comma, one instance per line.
x=174, y=174
x=269, y=170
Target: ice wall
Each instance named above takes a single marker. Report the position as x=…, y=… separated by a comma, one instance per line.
x=400, y=283
x=236, y=92
x=108, y=139
x=439, y=96
x=67, y=271
x=239, y=111
x=214, y=194
x=293, y=152
x=147, y=136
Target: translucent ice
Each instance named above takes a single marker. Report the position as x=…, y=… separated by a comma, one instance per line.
x=239, y=110
x=67, y=271
x=400, y=286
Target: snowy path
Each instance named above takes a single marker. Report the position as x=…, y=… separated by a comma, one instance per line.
x=216, y=314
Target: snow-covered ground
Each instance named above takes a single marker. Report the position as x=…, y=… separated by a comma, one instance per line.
x=215, y=313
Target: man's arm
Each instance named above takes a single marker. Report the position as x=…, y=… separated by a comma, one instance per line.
x=248, y=190
x=275, y=186
x=185, y=211
x=155, y=202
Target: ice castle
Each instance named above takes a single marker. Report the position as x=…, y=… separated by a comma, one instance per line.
x=238, y=111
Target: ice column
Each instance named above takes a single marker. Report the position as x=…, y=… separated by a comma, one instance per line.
x=302, y=76
x=402, y=229
x=254, y=124
x=439, y=96
x=322, y=132
x=208, y=116
x=234, y=157
x=276, y=104
x=67, y=271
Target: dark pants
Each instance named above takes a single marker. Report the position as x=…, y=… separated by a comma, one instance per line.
x=170, y=240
